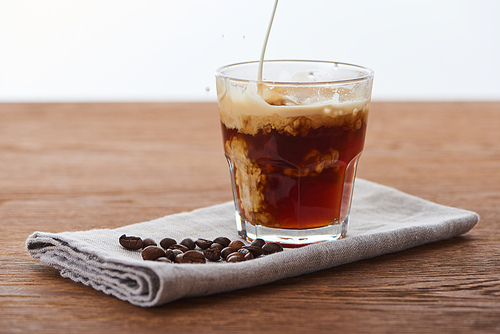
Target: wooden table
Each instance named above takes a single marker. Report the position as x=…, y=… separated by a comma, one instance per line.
x=82, y=166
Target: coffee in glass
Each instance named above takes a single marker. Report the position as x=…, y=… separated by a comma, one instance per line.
x=292, y=141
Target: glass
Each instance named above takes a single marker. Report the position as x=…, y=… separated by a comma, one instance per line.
x=292, y=142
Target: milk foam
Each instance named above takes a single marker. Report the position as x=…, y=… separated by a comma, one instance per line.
x=258, y=105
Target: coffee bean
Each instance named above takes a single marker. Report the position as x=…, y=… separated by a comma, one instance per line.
x=170, y=253
x=226, y=251
x=167, y=242
x=248, y=255
x=189, y=243
x=243, y=251
x=151, y=253
x=223, y=241
x=176, y=252
x=203, y=243
x=272, y=247
x=217, y=245
x=179, y=247
x=212, y=254
x=236, y=244
x=163, y=259
x=221, y=247
x=130, y=242
x=256, y=251
x=193, y=256
x=235, y=257
x=148, y=242
x=258, y=242
x=178, y=258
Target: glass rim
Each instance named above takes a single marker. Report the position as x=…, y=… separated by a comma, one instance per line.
x=369, y=72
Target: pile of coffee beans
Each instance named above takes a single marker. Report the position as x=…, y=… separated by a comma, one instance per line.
x=199, y=251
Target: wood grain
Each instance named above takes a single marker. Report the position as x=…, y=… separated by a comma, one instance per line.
x=68, y=167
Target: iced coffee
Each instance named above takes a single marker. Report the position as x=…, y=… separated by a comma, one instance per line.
x=292, y=142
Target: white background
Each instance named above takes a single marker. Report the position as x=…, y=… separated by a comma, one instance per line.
x=152, y=50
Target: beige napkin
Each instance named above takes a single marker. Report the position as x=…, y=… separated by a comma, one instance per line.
x=383, y=220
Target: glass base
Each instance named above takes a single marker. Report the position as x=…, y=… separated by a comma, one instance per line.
x=289, y=237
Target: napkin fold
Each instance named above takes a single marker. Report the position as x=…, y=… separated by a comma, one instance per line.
x=383, y=220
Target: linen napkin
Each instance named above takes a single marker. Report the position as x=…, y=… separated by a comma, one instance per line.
x=383, y=220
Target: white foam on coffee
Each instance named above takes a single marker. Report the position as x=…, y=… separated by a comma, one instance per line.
x=237, y=105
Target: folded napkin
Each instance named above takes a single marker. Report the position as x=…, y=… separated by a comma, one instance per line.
x=383, y=220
